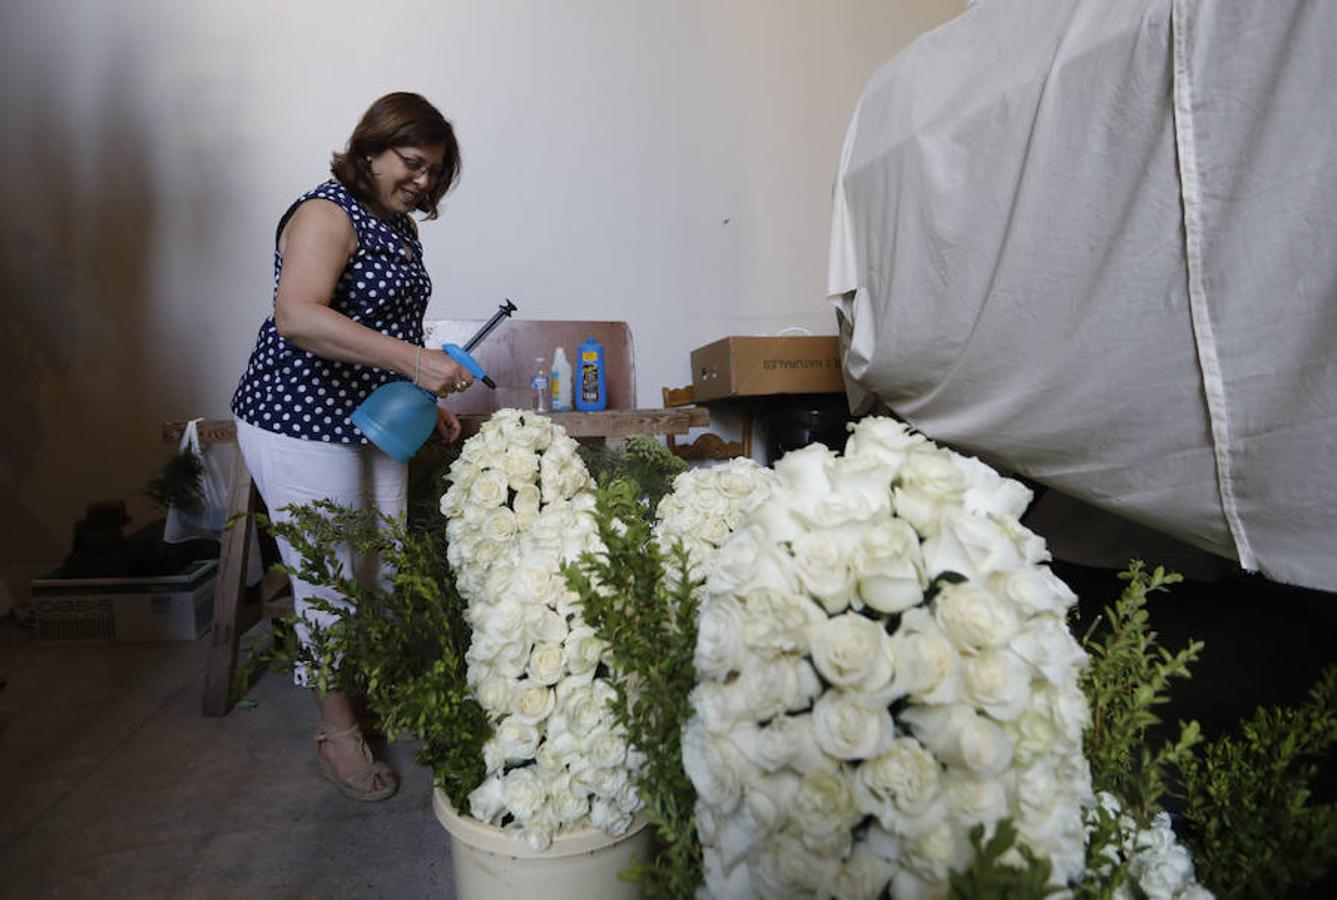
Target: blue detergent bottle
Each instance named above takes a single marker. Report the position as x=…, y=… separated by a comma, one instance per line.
x=590, y=386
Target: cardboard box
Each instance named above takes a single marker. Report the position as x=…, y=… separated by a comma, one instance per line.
x=176, y=607
x=760, y=366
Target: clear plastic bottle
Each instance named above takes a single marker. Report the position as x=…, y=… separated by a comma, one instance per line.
x=538, y=383
x=561, y=381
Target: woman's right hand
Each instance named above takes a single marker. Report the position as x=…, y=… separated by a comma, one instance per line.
x=440, y=374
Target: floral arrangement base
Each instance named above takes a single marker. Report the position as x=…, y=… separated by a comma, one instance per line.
x=490, y=863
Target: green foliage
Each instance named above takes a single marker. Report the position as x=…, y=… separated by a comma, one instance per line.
x=178, y=482
x=1129, y=675
x=649, y=622
x=402, y=644
x=645, y=462
x=1255, y=830
x=994, y=874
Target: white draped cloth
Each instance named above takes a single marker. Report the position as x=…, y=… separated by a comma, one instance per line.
x=1096, y=243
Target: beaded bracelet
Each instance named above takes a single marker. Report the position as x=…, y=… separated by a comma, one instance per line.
x=417, y=367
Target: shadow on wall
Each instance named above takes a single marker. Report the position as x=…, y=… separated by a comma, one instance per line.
x=76, y=232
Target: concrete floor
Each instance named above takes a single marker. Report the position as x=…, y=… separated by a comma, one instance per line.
x=114, y=785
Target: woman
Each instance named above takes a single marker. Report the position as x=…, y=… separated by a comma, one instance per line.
x=349, y=300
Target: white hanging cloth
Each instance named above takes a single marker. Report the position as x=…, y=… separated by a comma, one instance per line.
x=1093, y=242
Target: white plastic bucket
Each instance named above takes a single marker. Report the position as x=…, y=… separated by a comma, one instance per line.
x=581, y=865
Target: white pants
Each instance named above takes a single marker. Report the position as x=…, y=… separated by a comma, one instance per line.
x=291, y=471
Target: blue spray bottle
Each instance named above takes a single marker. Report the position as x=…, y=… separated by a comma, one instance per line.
x=590, y=386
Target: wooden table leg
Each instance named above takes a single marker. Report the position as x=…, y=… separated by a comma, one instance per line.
x=232, y=614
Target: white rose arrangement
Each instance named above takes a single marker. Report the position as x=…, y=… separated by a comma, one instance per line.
x=519, y=507
x=706, y=505
x=883, y=663
x=1159, y=865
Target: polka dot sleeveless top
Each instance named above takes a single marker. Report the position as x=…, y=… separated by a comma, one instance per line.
x=291, y=391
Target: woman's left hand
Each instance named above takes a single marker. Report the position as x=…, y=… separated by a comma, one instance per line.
x=447, y=425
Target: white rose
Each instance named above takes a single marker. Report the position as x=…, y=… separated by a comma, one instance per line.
x=851, y=651
x=806, y=472
x=928, y=484
x=533, y=702
x=721, y=707
x=823, y=569
x=500, y=525
x=970, y=545
x=1033, y=735
x=1067, y=708
x=785, y=741
x=546, y=663
x=453, y=500
x=767, y=798
x=1029, y=545
x=960, y=737
x=568, y=805
x=849, y=729
x=861, y=489
x=706, y=498
x=784, y=866
x=535, y=578
x=501, y=621
x=973, y=617
x=775, y=518
x=606, y=815
x=988, y=493
x=521, y=467
x=998, y=683
x=728, y=882
x=861, y=877
x=823, y=808
x=1046, y=643
x=524, y=792
x=906, y=778
x=489, y=488
x=778, y=622
x=487, y=801
x=715, y=531
x=484, y=552
x=585, y=706
x=770, y=688
x=608, y=750
x=885, y=439
x=583, y=650
x=750, y=561
x=544, y=625
x=890, y=568
x=495, y=694
x=1033, y=591
x=930, y=856
x=719, y=640
x=606, y=781
x=976, y=800
x=710, y=764
x=526, y=501
x=517, y=739
x=740, y=478
x=927, y=664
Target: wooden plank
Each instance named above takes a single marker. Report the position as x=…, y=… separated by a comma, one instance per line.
x=232, y=614
x=608, y=423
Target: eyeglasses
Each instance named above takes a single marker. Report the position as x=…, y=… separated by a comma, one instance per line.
x=416, y=165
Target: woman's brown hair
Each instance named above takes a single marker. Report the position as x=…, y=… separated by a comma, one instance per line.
x=400, y=119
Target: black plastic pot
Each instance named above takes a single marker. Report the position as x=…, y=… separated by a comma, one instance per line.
x=805, y=419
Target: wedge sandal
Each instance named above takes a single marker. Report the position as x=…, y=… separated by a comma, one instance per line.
x=361, y=785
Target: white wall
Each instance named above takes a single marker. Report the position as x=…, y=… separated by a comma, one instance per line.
x=667, y=163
